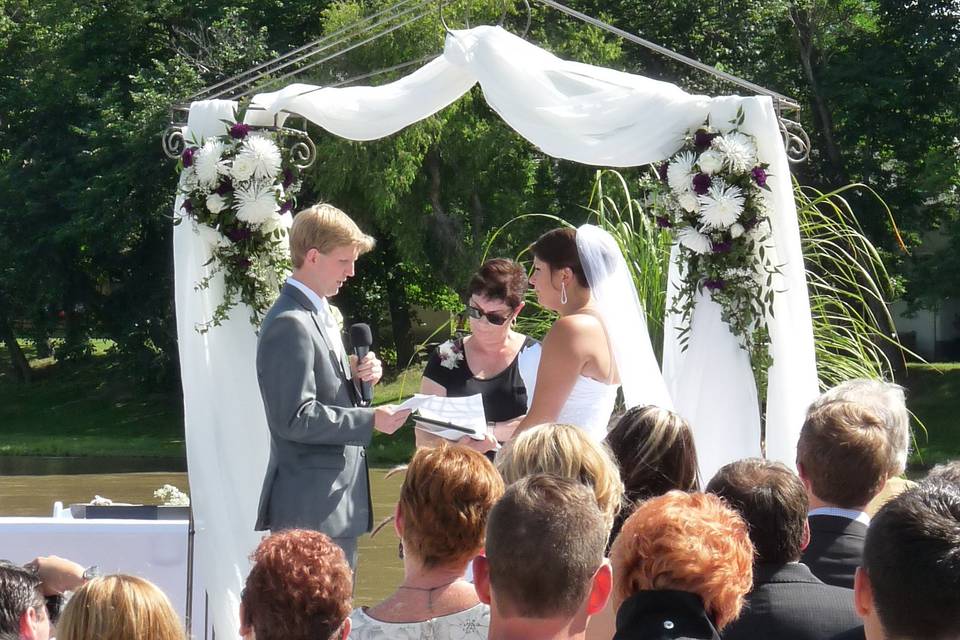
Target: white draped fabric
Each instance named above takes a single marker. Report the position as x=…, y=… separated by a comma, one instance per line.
x=574, y=111
x=227, y=437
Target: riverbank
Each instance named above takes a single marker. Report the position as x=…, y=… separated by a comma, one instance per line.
x=92, y=408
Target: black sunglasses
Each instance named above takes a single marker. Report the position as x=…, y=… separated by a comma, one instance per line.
x=492, y=318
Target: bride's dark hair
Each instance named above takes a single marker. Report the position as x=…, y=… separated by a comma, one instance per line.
x=558, y=248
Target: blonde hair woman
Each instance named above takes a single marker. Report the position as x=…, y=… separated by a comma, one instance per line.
x=119, y=607
x=569, y=452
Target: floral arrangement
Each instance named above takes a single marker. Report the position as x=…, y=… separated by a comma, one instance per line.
x=170, y=496
x=239, y=193
x=710, y=194
x=450, y=354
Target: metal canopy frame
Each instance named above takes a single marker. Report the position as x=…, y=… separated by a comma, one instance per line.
x=405, y=12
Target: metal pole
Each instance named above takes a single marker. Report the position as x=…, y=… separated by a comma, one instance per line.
x=188, y=609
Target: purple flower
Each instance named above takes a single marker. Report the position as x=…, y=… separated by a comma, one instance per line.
x=239, y=131
x=701, y=183
x=225, y=187
x=662, y=170
x=241, y=263
x=759, y=176
x=187, y=206
x=238, y=234
x=187, y=156
x=749, y=224
x=714, y=284
x=287, y=178
x=663, y=222
x=724, y=246
x=703, y=138
x=286, y=206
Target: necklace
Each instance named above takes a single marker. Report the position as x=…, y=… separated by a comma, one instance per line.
x=429, y=590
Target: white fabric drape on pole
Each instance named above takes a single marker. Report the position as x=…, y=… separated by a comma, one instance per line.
x=569, y=110
x=227, y=437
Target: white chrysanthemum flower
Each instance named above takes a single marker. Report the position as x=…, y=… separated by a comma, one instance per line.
x=694, y=240
x=256, y=203
x=207, y=162
x=710, y=162
x=263, y=154
x=274, y=222
x=739, y=151
x=210, y=236
x=216, y=203
x=680, y=172
x=243, y=168
x=736, y=230
x=721, y=206
x=688, y=202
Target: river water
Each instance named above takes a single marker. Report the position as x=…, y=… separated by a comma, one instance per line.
x=69, y=480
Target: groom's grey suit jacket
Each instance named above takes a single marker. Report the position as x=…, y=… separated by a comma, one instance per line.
x=317, y=474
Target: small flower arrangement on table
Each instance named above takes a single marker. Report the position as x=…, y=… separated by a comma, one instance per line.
x=711, y=196
x=239, y=191
x=170, y=496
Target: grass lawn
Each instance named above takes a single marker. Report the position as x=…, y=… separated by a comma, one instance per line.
x=933, y=394
x=92, y=408
x=86, y=408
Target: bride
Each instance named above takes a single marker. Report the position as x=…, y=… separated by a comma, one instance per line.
x=599, y=342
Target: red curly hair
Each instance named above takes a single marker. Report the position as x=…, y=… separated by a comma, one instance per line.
x=299, y=588
x=686, y=542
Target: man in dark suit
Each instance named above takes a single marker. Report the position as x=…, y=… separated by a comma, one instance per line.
x=317, y=474
x=844, y=456
x=909, y=584
x=787, y=601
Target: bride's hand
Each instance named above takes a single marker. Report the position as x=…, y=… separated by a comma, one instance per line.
x=489, y=443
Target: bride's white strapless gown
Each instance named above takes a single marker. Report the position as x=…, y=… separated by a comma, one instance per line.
x=589, y=405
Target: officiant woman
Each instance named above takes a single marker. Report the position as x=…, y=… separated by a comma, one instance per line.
x=488, y=360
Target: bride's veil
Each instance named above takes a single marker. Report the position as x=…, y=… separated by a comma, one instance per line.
x=615, y=299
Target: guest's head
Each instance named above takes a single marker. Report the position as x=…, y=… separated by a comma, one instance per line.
x=908, y=586
x=887, y=401
x=445, y=500
x=566, y=451
x=945, y=472
x=844, y=454
x=23, y=611
x=772, y=501
x=119, y=607
x=655, y=452
x=689, y=542
x=298, y=589
x=544, y=569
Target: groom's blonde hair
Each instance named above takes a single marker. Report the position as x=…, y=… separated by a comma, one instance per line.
x=324, y=227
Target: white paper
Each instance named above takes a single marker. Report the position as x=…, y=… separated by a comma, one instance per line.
x=464, y=411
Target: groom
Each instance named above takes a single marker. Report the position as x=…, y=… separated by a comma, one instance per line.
x=317, y=474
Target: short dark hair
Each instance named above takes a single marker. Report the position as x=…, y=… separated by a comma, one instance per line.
x=846, y=453
x=500, y=279
x=558, y=248
x=19, y=591
x=545, y=541
x=772, y=500
x=299, y=588
x=912, y=558
x=945, y=472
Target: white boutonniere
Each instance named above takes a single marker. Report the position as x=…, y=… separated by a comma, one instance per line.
x=450, y=354
x=337, y=316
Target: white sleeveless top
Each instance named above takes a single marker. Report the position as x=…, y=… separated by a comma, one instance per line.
x=589, y=405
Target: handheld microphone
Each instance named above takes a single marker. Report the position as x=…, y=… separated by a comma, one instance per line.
x=362, y=339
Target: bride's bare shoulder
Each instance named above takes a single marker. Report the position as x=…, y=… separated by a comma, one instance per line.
x=574, y=326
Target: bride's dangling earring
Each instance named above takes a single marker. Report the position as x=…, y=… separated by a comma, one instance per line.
x=563, y=293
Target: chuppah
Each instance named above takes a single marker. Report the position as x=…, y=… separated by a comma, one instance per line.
x=569, y=110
